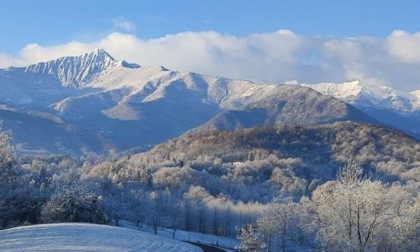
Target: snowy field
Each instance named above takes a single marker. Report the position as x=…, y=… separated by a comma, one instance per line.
x=226, y=243
x=86, y=237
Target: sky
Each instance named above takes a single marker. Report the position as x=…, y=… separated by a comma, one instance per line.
x=273, y=41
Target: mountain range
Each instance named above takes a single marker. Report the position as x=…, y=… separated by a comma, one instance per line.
x=95, y=104
x=392, y=107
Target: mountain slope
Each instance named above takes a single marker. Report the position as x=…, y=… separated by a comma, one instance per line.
x=40, y=133
x=287, y=105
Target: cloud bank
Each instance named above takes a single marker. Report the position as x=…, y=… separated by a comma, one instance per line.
x=274, y=57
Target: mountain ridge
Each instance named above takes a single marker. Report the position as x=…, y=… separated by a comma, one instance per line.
x=136, y=106
x=354, y=92
x=387, y=105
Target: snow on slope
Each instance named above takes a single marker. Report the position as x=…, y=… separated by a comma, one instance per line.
x=78, y=70
x=86, y=237
x=366, y=95
x=391, y=107
x=415, y=99
x=147, y=84
x=228, y=244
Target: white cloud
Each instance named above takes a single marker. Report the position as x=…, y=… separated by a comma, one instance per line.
x=269, y=57
x=404, y=46
x=210, y=52
x=6, y=60
x=34, y=53
x=124, y=24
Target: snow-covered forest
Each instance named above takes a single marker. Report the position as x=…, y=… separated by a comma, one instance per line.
x=340, y=187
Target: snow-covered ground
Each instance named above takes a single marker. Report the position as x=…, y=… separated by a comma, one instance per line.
x=86, y=237
x=225, y=243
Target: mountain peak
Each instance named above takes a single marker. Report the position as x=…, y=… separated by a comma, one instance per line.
x=75, y=71
x=100, y=54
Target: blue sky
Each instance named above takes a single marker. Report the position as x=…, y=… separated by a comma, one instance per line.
x=306, y=35
x=49, y=22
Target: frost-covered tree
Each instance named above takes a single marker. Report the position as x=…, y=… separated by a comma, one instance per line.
x=277, y=228
x=197, y=213
x=174, y=214
x=402, y=230
x=413, y=226
x=157, y=207
x=139, y=203
x=73, y=204
x=7, y=160
x=279, y=225
x=251, y=240
x=8, y=179
x=349, y=211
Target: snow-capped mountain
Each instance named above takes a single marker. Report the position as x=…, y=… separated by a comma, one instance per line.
x=367, y=96
x=390, y=106
x=79, y=70
x=120, y=106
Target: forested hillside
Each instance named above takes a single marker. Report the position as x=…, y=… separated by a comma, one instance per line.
x=233, y=183
x=261, y=163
